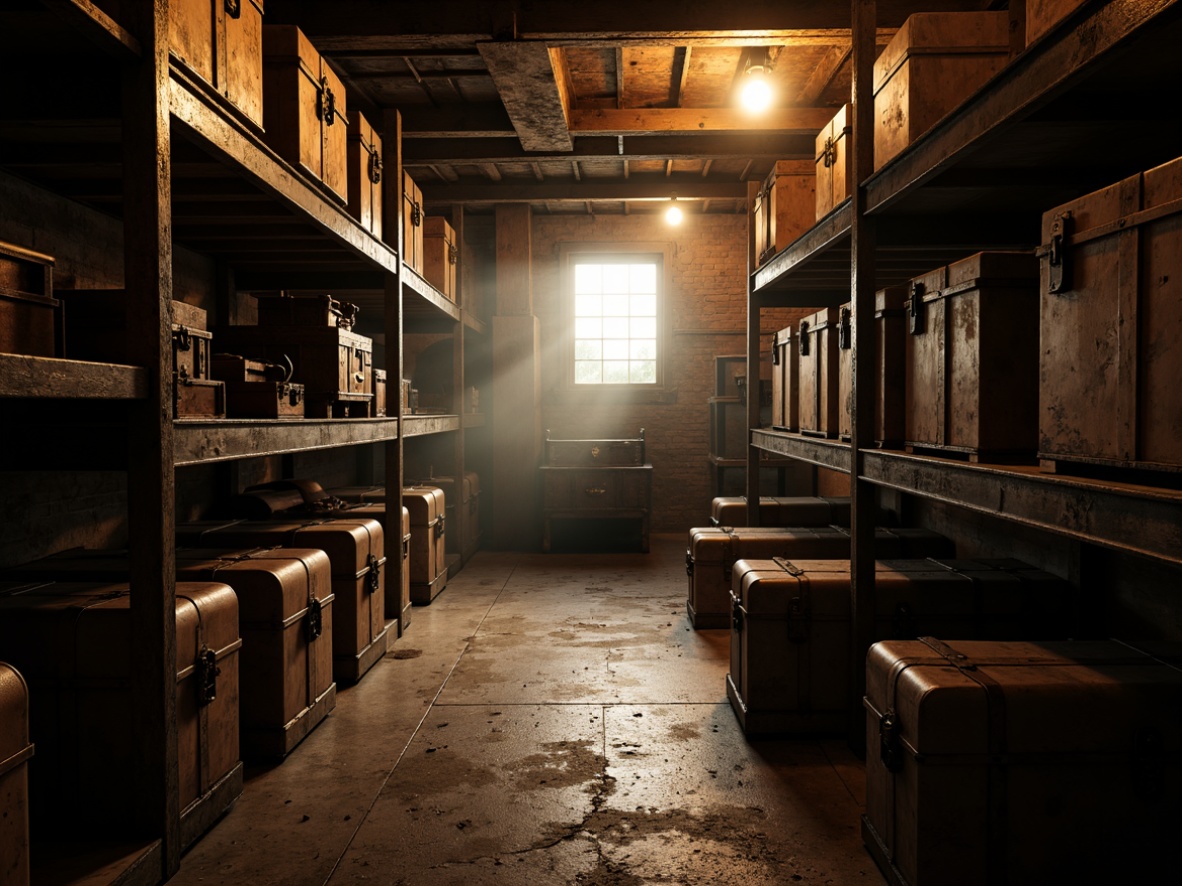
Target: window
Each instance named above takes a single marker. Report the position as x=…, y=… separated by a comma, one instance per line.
x=616, y=304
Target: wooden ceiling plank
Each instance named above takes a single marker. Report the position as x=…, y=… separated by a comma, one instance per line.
x=524, y=75
x=761, y=146
x=680, y=75
x=824, y=73
x=620, y=77
x=636, y=189
x=654, y=121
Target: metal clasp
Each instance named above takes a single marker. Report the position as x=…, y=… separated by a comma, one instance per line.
x=829, y=153
x=207, y=676
x=888, y=742
x=804, y=338
x=375, y=165
x=326, y=104
x=1059, y=279
x=374, y=577
x=915, y=309
x=315, y=622
x=844, y=339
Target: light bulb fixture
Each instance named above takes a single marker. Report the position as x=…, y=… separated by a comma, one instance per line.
x=673, y=214
x=755, y=95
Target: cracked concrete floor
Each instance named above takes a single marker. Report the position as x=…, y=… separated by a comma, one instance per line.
x=548, y=719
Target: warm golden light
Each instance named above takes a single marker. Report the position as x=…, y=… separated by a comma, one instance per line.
x=756, y=95
x=673, y=214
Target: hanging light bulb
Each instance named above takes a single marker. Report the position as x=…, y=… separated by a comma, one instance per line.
x=673, y=214
x=756, y=93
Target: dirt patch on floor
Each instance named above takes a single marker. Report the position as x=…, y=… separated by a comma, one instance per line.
x=561, y=764
x=405, y=653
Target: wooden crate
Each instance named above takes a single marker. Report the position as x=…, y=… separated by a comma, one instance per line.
x=785, y=389
x=817, y=361
x=1043, y=15
x=304, y=109
x=412, y=224
x=15, y=752
x=972, y=358
x=222, y=43
x=365, y=173
x=932, y=64
x=890, y=338
x=972, y=747
x=783, y=208
x=835, y=162
x=1111, y=356
x=440, y=255
x=30, y=317
x=285, y=309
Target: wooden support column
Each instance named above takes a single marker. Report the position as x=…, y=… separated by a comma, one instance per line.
x=151, y=481
x=863, y=242
x=458, y=383
x=752, y=363
x=392, y=234
x=517, y=387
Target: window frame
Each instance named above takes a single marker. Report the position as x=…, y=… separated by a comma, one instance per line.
x=662, y=255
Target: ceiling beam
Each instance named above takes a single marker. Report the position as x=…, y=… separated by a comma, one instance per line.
x=761, y=146
x=681, y=64
x=651, y=121
x=635, y=189
x=474, y=120
x=824, y=73
x=524, y=75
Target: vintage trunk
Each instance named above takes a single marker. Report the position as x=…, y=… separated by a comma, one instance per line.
x=365, y=174
x=396, y=607
x=440, y=255
x=461, y=539
x=412, y=224
x=794, y=510
x=784, y=207
x=30, y=317
x=932, y=64
x=1111, y=356
x=283, y=309
x=790, y=629
x=785, y=393
x=1022, y=763
x=972, y=357
x=15, y=752
x=221, y=41
x=334, y=365
x=1043, y=15
x=304, y=109
x=356, y=552
x=71, y=641
x=594, y=453
x=428, y=541
x=835, y=162
x=379, y=393
x=728, y=427
x=713, y=552
x=257, y=389
x=817, y=341
x=890, y=340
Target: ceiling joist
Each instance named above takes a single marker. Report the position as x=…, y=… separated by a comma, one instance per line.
x=524, y=74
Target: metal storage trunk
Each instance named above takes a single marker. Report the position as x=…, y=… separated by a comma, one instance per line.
x=1111, y=355
x=222, y=43
x=785, y=390
x=794, y=510
x=1022, y=763
x=334, y=365
x=356, y=554
x=30, y=317
x=304, y=109
x=972, y=357
x=71, y=642
x=890, y=340
x=817, y=340
x=802, y=686
x=365, y=173
x=784, y=207
x=428, y=545
x=440, y=255
x=15, y=751
x=835, y=162
x=932, y=64
x=712, y=554
x=412, y=223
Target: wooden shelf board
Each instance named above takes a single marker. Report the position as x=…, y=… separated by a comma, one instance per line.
x=832, y=454
x=53, y=378
x=430, y=308
x=423, y=425
x=203, y=441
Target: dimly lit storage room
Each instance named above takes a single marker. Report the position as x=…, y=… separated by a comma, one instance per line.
x=520, y=442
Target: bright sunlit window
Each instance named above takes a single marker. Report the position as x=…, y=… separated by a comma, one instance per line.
x=615, y=320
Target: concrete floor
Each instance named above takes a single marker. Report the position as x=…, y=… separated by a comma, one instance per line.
x=549, y=719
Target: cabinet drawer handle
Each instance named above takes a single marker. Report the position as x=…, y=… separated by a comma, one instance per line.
x=595, y=490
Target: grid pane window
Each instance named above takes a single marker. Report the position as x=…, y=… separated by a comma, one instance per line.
x=615, y=322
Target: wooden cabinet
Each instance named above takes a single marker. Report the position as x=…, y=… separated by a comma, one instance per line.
x=597, y=493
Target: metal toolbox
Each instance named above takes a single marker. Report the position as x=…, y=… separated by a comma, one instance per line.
x=790, y=628
x=792, y=510
x=71, y=641
x=1022, y=763
x=972, y=357
x=30, y=317
x=932, y=64
x=712, y=553
x=1111, y=310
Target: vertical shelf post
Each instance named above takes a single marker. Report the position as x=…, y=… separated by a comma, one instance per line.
x=151, y=481
x=862, y=284
x=458, y=384
x=392, y=233
x=752, y=480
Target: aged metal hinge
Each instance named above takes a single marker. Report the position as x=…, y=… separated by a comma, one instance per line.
x=915, y=309
x=1056, y=252
x=844, y=339
x=374, y=577
x=453, y=254
x=804, y=338
x=326, y=104
x=375, y=165
x=315, y=623
x=888, y=742
x=416, y=214
x=736, y=614
x=233, y=8
x=439, y=526
x=829, y=153
x=689, y=563
x=207, y=676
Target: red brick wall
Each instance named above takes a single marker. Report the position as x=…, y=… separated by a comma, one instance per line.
x=707, y=314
